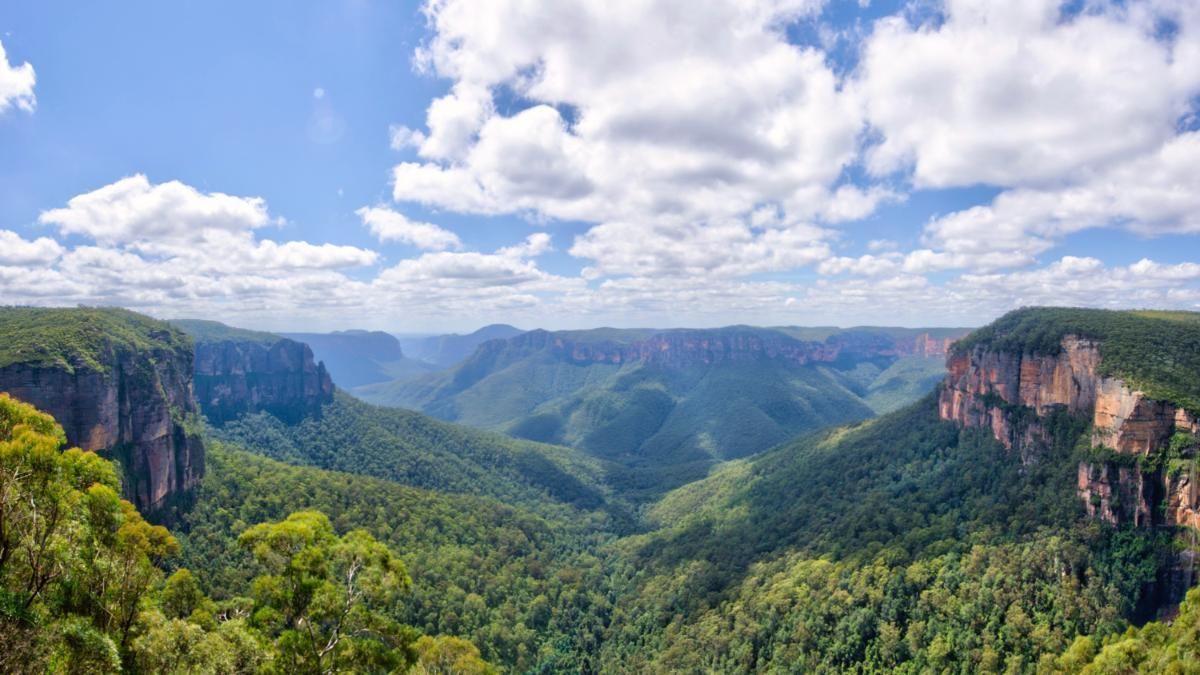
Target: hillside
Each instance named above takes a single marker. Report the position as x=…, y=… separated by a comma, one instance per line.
x=926, y=540
x=667, y=405
x=419, y=451
x=525, y=587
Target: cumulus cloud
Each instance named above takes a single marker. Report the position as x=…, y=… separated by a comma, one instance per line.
x=643, y=119
x=1017, y=94
x=132, y=209
x=17, y=251
x=16, y=84
x=389, y=225
x=1152, y=194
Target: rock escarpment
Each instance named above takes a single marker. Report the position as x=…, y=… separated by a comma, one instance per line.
x=120, y=384
x=1140, y=469
x=683, y=348
x=236, y=377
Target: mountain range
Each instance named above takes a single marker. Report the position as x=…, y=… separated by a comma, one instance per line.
x=720, y=500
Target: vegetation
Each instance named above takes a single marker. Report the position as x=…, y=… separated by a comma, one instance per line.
x=83, y=337
x=81, y=586
x=1154, y=648
x=663, y=425
x=903, y=544
x=416, y=450
x=1156, y=352
x=203, y=330
x=529, y=590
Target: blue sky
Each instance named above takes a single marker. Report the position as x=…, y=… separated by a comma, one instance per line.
x=414, y=167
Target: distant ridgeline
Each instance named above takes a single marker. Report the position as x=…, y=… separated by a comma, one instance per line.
x=359, y=357
x=240, y=371
x=667, y=404
x=119, y=383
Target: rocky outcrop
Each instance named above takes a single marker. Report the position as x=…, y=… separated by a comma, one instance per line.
x=683, y=348
x=1132, y=480
x=234, y=377
x=129, y=404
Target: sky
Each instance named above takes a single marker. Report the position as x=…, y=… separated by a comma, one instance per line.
x=438, y=166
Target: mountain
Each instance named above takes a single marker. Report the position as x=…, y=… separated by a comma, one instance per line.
x=119, y=383
x=667, y=405
x=358, y=357
x=1038, y=495
x=444, y=351
x=239, y=371
x=416, y=450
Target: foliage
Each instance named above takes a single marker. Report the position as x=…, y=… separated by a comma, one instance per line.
x=1154, y=648
x=416, y=450
x=528, y=589
x=1156, y=352
x=321, y=596
x=203, y=330
x=661, y=425
x=82, y=589
x=83, y=337
x=904, y=544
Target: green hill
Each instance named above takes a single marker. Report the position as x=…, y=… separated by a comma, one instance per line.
x=419, y=451
x=667, y=405
x=88, y=336
x=902, y=544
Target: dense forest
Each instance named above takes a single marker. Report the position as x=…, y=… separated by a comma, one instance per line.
x=82, y=589
x=371, y=539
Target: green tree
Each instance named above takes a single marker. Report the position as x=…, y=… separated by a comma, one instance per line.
x=324, y=597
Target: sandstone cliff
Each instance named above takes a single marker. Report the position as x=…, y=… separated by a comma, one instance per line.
x=119, y=383
x=233, y=378
x=1130, y=476
x=682, y=348
x=239, y=371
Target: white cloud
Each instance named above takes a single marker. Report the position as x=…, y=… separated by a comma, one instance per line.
x=17, y=251
x=388, y=225
x=401, y=137
x=1156, y=193
x=132, y=209
x=653, y=120
x=1013, y=94
x=16, y=85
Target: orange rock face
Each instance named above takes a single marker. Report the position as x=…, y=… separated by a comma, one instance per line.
x=983, y=388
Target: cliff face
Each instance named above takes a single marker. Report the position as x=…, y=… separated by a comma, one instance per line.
x=240, y=376
x=132, y=407
x=1013, y=394
x=682, y=348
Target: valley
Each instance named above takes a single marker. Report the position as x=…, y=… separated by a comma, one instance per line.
x=830, y=508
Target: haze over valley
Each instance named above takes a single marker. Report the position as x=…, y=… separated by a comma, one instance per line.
x=749, y=336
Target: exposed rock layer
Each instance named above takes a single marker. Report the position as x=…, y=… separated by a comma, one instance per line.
x=132, y=408
x=235, y=377
x=1012, y=394
x=681, y=348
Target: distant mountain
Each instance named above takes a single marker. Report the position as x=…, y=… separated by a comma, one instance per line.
x=447, y=350
x=358, y=357
x=666, y=405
